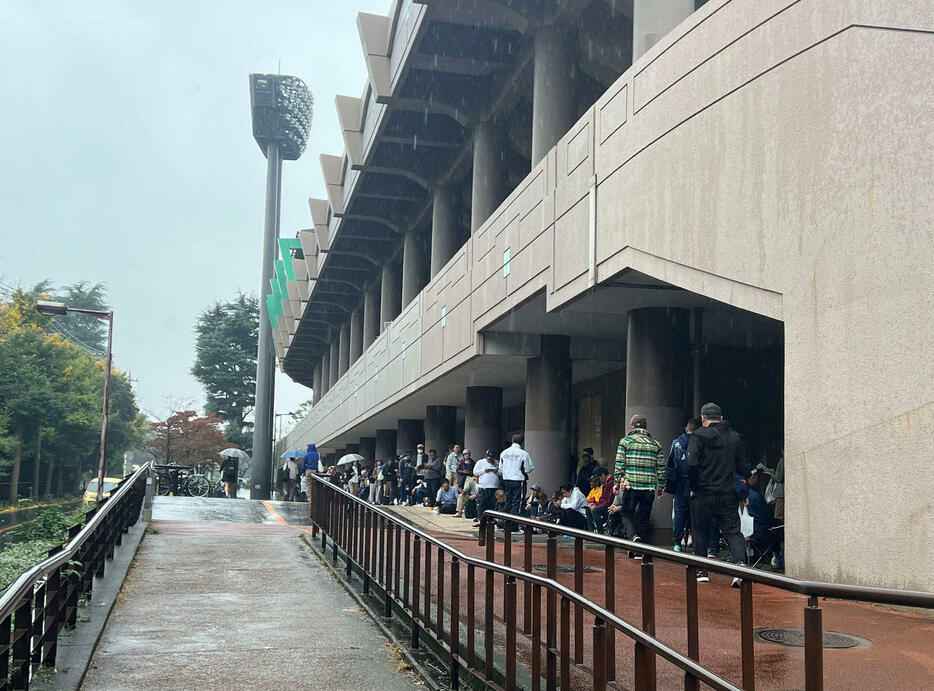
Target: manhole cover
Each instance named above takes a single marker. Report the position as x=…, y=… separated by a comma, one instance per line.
x=794, y=638
x=563, y=568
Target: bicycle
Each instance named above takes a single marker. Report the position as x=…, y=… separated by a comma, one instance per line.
x=179, y=480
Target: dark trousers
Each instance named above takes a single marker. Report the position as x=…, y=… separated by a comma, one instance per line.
x=573, y=519
x=682, y=506
x=637, y=508
x=724, y=509
x=434, y=484
x=597, y=518
x=514, y=496
x=486, y=498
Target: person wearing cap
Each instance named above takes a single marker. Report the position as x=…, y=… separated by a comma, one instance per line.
x=678, y=483
x=585, y=470
x=487, y=482
x=529, y=507
x=640, y=473
x=714, y=458
x=515, y=464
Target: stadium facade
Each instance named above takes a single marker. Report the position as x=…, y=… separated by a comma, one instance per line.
x=551, y=215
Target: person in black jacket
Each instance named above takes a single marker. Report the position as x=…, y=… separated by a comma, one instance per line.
x=715, y=457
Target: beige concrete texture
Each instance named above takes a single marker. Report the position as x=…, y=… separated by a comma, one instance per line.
x=775, y=156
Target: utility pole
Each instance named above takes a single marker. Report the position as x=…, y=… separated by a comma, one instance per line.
x=281, y=110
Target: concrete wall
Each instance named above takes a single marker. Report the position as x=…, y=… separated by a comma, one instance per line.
x=773, y=155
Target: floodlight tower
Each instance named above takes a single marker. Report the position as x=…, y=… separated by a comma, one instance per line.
x=281, y=108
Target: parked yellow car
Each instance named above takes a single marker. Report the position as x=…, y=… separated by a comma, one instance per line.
x=110, y=484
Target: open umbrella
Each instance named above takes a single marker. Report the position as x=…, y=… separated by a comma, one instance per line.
x=293, y=453
x=236, y=453
x=349, y=458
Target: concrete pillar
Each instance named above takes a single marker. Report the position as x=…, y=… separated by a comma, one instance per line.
x=408, y=434
x=353, y=448
x=316, y=384
x=548, y=412
x=325, y=371
x=385, y=444
x=330, y=459
x=658, y=360
x=554, y=91
x=440, y=427
x=356, y=335
x=697, y=358
x=344, y=350
x=652, y=19
x=483, y=420
x=339, y=453
x=390, y=299
x=368, y=450
x=657, y=364
x=335, y=361
x=489, y=185
x=443, y=228
x=413, y=266
x=371, y=325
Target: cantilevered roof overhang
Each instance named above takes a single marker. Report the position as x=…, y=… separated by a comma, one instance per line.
x=436, y=68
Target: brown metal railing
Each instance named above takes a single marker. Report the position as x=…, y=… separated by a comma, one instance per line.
x=377, y=544
x=644, y=657
x=406, y=564
x=44, y=599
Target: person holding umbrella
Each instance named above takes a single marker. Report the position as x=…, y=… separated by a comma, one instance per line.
x=288, y=474
x=229, y=470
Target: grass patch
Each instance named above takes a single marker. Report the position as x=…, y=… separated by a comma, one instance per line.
x=49, y=530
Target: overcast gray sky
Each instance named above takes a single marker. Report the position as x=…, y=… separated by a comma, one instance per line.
x=128, y=156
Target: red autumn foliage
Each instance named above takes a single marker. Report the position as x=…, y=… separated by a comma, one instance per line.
x=186, y=439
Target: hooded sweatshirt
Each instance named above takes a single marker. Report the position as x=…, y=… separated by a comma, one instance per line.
x=310, y=459
x=716, y=454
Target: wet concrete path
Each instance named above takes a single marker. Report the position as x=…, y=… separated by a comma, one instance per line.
x=224, y=594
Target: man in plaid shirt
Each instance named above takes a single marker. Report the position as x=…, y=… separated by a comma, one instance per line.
x=640, y=472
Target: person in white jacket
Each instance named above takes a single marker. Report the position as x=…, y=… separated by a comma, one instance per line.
x=573, y=507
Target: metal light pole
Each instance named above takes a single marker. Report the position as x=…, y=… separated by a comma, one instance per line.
x=281, y=109
x=59, y=309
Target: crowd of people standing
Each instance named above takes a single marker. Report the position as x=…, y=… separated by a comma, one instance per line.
x=706, y=470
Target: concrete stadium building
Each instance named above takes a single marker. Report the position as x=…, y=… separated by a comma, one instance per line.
x=549, y=215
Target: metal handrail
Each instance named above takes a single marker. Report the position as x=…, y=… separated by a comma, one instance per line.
x=673, y=656
x=22, y=586
x=887, y=596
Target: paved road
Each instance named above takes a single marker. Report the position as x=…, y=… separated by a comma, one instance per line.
x=223, y=595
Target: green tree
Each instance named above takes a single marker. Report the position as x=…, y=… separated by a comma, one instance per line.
x=225, y=363
x=84, y=329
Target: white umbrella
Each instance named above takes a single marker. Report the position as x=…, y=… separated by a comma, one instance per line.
x=236, y=453
x=349, y=458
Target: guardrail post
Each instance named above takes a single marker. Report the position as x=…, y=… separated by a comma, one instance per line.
x=455, y=638
x=416, y=575
x=746, y=636
x=645, y=658
x=509, y=616
x=488, y=602
x=691, y=682
x=551, y=615
x=813, y=646
x=578, y=612
x=147, y=497
x=527, y=586
x=599, y=643
x=609, y=575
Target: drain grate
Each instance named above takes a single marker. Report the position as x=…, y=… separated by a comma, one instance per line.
x=794, y=638
x=565, y=568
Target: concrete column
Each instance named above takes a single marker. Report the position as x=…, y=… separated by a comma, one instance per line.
x=554, y=92
x=548, y=412
x=652, y=19
x=390, y=299
x=330, y=459
x=443, y=228
x=316, y=384
x=440, y=427
x=356, y=335
x=353, y=448
x=371, y=326
x=658, y=360
x=657, y=364
x=344, y=350
x=385, y=444
x=489, y=185
x=413, y=266
x=325, y=371
x=335, y=361
x=483, y=420
x=697, y=357
x=368, y=450
x=408, y=434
